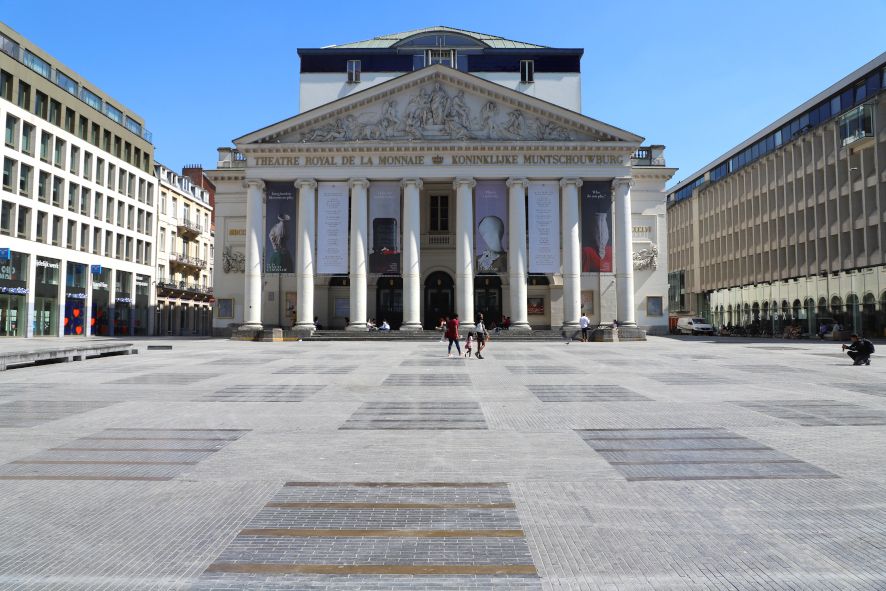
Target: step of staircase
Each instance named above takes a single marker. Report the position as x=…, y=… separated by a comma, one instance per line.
x=425, y=336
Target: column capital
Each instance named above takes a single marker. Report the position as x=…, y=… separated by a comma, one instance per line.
x=471, y=183
x=571, y=181
x=355, y=183
x=305, y=184
x=622, y=182
x=257, y=183
x=513, y=182
x=417, y=182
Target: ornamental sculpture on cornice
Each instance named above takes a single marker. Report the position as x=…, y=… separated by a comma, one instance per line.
x=435, y=113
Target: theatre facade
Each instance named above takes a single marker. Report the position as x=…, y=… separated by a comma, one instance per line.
x=433, y=192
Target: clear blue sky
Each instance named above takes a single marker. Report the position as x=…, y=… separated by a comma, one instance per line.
x=697, y=76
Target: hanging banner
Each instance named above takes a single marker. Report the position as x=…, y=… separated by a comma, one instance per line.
x=332, y=228
x=544, y=227
x=280, y=228
x=596, y=227
x=384, y=228
x=491, y=226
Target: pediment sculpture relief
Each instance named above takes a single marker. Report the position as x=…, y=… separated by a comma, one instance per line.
x=435, y=113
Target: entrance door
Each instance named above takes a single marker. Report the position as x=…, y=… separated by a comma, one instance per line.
x=487, y=299
x=439, y=299
x=389, y=301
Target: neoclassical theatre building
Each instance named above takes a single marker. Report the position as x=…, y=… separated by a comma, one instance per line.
x=433, y=172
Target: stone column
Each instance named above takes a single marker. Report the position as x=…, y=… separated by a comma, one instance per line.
x=304, y=255
x=255, y=190
x=571, y=253
x=624, y=254
x=464, y=252
x=411, y=255
x=517, y=253
x=357, y=269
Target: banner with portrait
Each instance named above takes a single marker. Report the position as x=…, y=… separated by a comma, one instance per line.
x=596, y=227
x=332, y=228
x=280, y=228
x=544, y=227
x=491, y=227
x=384, y=228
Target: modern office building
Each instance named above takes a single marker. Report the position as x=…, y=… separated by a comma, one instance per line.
x=77, y=211
x=439, y=171
x=184, y=256
x=789, y=227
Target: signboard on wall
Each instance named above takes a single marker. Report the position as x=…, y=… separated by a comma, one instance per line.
x=544, y=227
x=332, y=228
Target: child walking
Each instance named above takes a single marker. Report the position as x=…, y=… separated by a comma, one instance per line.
x=469, y=344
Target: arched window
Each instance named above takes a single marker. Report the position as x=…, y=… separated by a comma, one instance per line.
x=765, y=310
x=756, y=311
x=798, y=310
x=822, y=306
x=836, y=306
x=785, y=310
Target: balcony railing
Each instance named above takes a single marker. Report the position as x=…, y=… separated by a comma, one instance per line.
x=432, y=241
x=857, y=125
x=184, y=286
x=648, y=156
x=188, y=225
x=183, y=259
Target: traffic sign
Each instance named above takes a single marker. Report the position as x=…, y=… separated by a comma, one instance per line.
x=95, y=269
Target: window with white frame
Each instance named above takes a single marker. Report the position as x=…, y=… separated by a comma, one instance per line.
x=527, y=71
x=354, y=71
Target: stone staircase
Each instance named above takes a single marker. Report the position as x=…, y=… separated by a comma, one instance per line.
x=426, y=336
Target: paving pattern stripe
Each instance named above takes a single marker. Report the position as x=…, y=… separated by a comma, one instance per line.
x=684, y=462
x=110, y=462
x=334, y=505
x=170, y=429
x=676, y=438
x=381, y=533
x=155, y=439
x=735, y=477
x=96, y=477
x=139, y=449
x=371, y=569
x=402, y=484
x=687, y=429
x=602, y=449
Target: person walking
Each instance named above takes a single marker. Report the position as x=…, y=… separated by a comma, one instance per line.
x=452, y=334
x=859, y=350
x=469, y=344
x=584, y=323
x=442, y=328
x=482, y=336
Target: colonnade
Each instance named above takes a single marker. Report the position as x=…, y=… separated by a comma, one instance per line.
x=464, y=252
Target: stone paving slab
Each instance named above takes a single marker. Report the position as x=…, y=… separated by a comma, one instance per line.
x=717, y=473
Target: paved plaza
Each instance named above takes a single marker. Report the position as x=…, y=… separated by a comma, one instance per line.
x=670, y=464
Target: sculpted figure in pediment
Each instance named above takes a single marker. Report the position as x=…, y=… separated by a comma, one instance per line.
x=515, y=123
x=438, y=104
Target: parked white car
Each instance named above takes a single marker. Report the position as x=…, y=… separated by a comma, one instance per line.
x=694, y=326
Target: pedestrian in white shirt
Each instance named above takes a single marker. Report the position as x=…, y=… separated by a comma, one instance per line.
x=584, y=323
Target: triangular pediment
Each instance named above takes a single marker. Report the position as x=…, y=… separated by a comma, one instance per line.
x=438, y=104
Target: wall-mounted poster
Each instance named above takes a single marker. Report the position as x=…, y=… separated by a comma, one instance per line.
x=225, y=308
x=384, y=228
x=332, y=228
x=280, y=228
x=587, y=302
x=596, y=227
x=544, y=227
x=491, y=226
x=535, y=306
x=291, y=302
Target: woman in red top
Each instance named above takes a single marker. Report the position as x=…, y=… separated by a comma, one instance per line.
x=452, y=334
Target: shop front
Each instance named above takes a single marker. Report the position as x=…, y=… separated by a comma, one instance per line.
x=75, y=299
x=46, y=297
x=123, y=303
x=13, y=294
x=101, y=282
x=142, y=304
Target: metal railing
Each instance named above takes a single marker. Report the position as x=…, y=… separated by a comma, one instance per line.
x=189, y=224
x=437, y=240
x=184, y=286
x=183, y=259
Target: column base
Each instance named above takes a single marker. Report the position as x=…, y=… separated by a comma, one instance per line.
x=357, y=327
x=520, y=327
x=411, y=327
x=304, y=330
x=247, y=332
x=466, y=328
x=630, y=332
